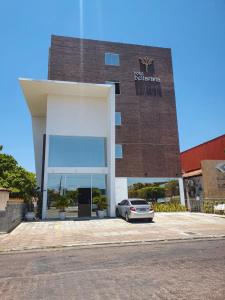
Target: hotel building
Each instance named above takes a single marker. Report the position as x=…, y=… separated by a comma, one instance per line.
x=106, y=116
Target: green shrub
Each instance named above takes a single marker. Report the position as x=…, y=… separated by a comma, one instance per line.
x=208, y=205
x=101, y=201
x=171, y=206
x=62, y=202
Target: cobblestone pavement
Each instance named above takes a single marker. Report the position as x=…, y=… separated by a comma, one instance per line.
x=166, y=226
x=178, y=270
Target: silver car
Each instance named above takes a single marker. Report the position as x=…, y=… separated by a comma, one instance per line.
x=131, y=209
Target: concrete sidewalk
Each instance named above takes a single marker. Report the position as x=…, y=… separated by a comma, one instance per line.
x=166, y=226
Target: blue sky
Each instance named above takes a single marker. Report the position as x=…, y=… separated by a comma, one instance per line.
x=194, y=29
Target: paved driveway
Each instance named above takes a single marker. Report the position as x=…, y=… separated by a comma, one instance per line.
x=166, y=226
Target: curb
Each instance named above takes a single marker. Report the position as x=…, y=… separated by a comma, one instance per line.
x=112, y=244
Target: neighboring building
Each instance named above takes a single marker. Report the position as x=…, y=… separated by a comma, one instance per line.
x=103, y=94
x=203, y=169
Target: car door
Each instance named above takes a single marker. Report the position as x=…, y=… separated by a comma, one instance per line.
x=120, y=207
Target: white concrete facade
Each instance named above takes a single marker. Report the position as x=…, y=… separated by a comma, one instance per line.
x=121, y=189
x=76, y=110
x=181, y=188
x=72, y=109
x=39, y=129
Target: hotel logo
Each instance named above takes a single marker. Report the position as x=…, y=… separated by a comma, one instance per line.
x=146, y=81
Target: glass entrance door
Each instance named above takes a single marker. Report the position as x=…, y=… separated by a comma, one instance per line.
x=81, y=191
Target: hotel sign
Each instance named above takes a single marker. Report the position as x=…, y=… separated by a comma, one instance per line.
x=146, y=81
x=141, y=76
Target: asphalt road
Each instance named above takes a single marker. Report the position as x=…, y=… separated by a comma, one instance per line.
x=182, y=270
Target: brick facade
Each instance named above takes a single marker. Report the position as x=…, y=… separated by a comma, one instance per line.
x=148, y=133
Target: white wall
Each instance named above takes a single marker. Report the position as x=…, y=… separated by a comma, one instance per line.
x=111, y=151
x=76, y=116
x=83, y=116
x=121, y=189
x=39, y=129
x=181, y=188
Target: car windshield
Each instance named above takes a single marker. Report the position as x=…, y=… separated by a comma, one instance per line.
x=139, y=202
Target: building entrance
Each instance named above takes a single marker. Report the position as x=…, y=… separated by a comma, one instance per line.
x=84, y=202
x=78, y=192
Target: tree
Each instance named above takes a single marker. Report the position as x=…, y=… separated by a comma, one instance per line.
x=132, y=193
x=152, y=193
x=20, y=182
x=172, y=188
x=137, y=186
x=7, y=164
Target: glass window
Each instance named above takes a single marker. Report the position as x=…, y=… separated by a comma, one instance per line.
x=123, y=202
x=73, y=187
x=74, y=151
x=139, y=202
x=117, y=86
x=119, y=151
x=118, y=120
x=112, y=59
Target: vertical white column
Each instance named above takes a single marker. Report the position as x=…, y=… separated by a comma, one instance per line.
x=111, y=152
x=181, y=188
x=45, y=195
x=121, y=189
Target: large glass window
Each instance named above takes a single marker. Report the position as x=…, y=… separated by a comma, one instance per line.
x=79, y=190
x=119, y=151
x=112, y=59
x=118, y=118
x=74, y=151
x=161, y=190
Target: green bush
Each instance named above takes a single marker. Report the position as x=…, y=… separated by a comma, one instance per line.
x=101, y=201
x=62, y=202
x=171, y=206
x=208, y=205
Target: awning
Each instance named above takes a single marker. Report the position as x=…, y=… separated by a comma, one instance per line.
x=192, y=173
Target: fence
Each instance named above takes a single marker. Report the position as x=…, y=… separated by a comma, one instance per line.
x=204, y=205
x=11, y=211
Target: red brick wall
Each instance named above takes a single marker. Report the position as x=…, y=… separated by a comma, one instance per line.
x=149, y=132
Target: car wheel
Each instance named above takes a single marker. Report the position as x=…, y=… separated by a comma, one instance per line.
x=127, y=218
x=117, y=213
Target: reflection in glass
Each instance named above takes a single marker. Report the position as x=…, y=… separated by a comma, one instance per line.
x=118, y=118
x=75, y=151
x=80, y=189
x=156, y=190
x=118, y=151
x=112, y=59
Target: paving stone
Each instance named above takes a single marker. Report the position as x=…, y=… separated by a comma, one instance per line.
x=166, y=226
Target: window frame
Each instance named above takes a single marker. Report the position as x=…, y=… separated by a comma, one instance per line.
x=112, y=54
x=121, y=147
x=120, y=118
